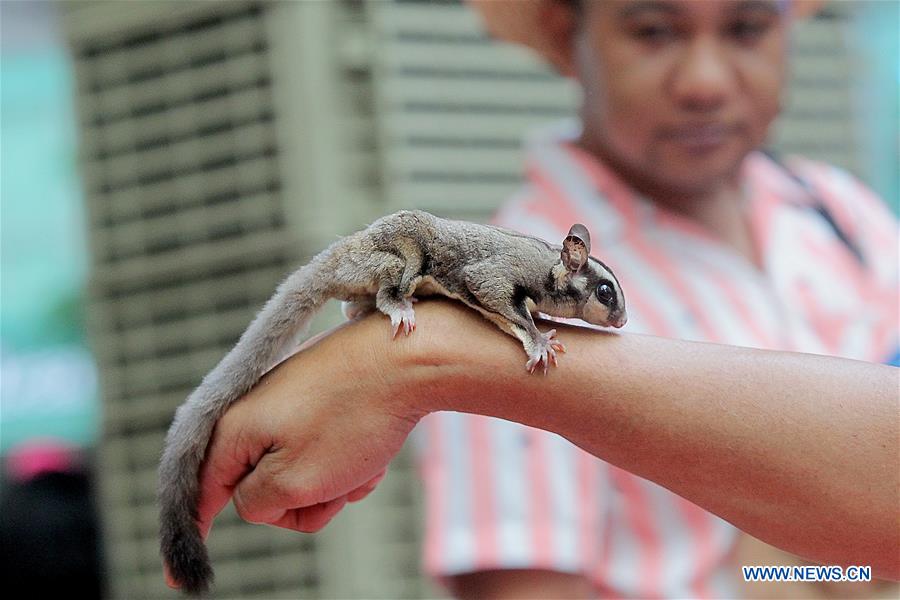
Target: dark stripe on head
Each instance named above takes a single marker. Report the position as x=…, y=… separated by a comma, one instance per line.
x=608, y=270
x=559, y=294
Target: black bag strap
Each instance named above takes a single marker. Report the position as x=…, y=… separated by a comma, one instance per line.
x=817, y=205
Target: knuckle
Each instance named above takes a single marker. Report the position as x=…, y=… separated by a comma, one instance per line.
x=286, y=490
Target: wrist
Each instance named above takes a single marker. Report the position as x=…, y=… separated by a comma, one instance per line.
x=457, y=361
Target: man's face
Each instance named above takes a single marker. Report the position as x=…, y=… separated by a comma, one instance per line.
x=677, y=92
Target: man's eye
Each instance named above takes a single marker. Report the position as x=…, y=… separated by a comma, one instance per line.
x=654, y=33
x=748, y=31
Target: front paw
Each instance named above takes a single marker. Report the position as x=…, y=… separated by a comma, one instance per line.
x=544, y=352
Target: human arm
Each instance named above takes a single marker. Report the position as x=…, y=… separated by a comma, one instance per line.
x=520, y=584
x=799, y=450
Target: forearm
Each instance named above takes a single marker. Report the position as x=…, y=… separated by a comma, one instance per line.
x=798, y=450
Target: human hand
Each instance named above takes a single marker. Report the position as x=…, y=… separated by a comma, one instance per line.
x=315, y=433
x=319, y=430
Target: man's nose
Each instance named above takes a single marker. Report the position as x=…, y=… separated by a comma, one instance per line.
x=704, y=76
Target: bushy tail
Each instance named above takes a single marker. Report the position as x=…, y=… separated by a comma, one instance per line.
x=282, y=320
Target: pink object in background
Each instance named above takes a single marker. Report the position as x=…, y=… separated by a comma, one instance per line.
x=40, y=456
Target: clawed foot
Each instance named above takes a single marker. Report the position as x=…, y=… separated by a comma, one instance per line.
x=545, y=352
x=404, y=318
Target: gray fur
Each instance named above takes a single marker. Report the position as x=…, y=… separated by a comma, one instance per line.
x=502, y=274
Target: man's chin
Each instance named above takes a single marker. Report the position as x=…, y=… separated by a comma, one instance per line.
x=692, y=176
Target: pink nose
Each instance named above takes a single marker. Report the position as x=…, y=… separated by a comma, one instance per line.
x=621, y=321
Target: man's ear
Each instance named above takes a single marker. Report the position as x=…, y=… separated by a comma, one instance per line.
x=545, y=26
x=802, y=9
x=559, y=24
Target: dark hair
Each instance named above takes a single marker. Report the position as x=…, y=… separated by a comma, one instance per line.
x=577, y=5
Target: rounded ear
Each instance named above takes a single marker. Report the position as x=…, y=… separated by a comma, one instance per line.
x=581, y=233
x=576, y=248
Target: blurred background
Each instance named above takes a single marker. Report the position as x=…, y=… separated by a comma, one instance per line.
x=164, y=165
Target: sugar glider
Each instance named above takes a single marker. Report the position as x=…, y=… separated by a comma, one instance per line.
x=504, y=275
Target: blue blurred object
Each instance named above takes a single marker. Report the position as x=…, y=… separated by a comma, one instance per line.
x=895, y=362
x=874, y=35
x=48, y=393
x=48, y=377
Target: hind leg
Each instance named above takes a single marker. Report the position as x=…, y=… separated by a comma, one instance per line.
x=397, y=280
x=399, y=309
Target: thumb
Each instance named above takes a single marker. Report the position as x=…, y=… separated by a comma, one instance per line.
x=232, y=451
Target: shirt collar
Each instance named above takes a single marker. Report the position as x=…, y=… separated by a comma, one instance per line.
x=571, y=178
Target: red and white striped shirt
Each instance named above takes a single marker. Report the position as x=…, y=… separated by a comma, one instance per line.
x=504, y=496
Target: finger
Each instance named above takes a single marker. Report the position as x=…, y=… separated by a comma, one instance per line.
x=366, y=489
x=271, y=489
x=310, y=519
x=215, y=493
x=230, y=456
x=170, y=581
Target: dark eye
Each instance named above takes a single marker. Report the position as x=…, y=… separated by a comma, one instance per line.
x=654, y=33
x=748, y=30
x=605, y=293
